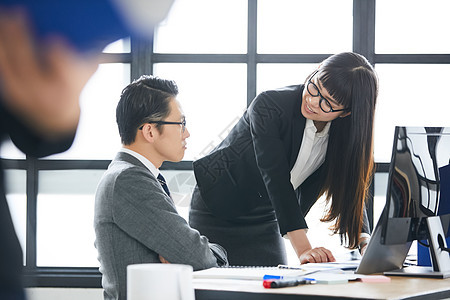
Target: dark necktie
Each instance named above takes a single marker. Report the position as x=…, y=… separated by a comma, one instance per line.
x=163, y=183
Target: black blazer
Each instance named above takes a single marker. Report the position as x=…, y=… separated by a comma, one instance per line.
x=251, y=167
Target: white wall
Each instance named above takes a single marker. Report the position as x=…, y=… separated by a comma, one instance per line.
x=64, y=294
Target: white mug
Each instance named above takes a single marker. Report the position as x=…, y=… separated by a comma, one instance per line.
x=160, y=282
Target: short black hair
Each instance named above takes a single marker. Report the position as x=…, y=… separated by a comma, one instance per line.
x=145, y=99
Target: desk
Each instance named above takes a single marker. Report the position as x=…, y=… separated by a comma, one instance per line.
x=398, y=288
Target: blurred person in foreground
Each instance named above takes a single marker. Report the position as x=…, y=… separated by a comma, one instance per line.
x=43, y=70
x=39, y=111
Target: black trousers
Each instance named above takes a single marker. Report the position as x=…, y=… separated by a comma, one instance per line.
x=253, y=242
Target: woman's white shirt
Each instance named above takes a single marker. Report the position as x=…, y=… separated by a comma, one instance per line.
x=312, y=153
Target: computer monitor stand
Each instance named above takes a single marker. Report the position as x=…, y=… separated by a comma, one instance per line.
x=440, y=256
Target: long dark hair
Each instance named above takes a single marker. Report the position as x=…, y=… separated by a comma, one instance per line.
x=351, y=81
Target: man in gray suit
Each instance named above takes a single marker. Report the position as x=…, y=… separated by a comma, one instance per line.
x=135, y=218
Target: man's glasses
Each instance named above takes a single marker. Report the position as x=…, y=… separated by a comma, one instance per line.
x=182, y=123
x=324, y=104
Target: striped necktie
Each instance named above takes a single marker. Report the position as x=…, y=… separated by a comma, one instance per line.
x=163, y=183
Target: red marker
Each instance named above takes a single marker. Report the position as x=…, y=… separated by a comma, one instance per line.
x=279, y=283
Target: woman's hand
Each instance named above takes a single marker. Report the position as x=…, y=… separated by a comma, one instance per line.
x=316, y=255
x=363, y=245
x=305, y=253
x=363, y=249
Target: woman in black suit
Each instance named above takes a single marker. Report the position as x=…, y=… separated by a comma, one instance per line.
x=291, y=146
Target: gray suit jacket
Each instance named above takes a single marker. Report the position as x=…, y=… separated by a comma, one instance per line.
x=135, y=221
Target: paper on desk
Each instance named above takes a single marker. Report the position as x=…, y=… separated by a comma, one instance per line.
x=330, y=272
x=345, y=266
x=334, y=278
x=248, y=273
x=325, y=277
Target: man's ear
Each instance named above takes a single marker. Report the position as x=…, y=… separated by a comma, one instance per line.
x=148, y=132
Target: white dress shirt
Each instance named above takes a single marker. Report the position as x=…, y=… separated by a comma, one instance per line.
x=143, y=160
x=312, y=153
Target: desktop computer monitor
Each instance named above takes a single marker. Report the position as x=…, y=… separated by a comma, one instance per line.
x=415, y=208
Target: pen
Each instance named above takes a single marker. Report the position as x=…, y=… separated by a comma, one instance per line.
x=271, y=284
x=289, y=267
x=288, y=277
x=275, y=277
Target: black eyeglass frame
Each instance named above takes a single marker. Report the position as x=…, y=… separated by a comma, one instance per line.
x=322, y=98
x=182, y=123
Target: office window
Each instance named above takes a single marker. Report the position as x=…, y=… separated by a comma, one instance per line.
x=120, y=46
x=9, y=150
x=410, y=95
x=379, y=198
x=293, y=26
x=412, y=27
x=181, y=185
x=97, y=136
x=213, y=98
x=203, y=26
x=272, y=76
x=65, y=218
x=15, y=185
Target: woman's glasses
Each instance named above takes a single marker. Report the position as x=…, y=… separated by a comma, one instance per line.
x=324, y=104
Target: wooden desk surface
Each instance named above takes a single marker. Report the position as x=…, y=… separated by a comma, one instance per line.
x=398, y=288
